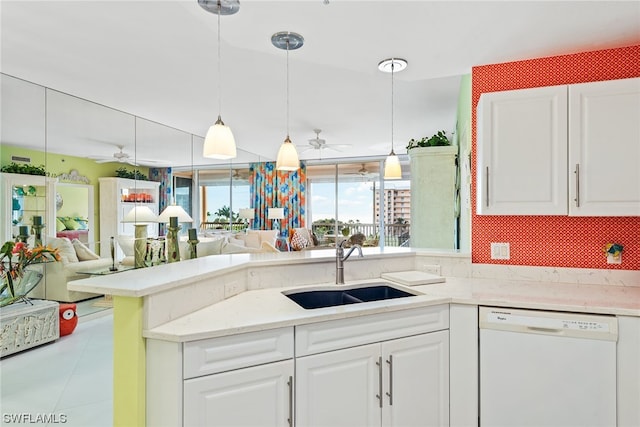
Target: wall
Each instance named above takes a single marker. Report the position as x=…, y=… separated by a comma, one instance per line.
x=56, y=164
x=550, y=240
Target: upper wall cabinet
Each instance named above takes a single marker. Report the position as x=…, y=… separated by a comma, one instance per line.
x=560, y=150
x=522, y=152
x=604, y=148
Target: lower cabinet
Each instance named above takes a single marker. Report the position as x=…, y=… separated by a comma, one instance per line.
x=256, y=396
x=400, y=382
x=386, y=369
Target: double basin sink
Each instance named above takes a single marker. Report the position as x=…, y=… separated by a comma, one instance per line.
x=331, y=296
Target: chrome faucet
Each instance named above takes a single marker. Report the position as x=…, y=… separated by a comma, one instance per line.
x=341, y=258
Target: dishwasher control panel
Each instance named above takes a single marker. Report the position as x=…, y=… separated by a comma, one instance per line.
x=549, y=322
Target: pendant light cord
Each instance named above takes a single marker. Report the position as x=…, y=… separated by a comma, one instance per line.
x=219, y=61
x=287, y=88
x=392, y=66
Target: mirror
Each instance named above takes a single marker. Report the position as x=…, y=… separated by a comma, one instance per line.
x=75, y=212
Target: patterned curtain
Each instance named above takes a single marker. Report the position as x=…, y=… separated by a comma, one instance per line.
x=271, y=188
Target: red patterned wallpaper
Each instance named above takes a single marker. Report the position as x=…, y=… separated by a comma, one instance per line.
x=554, y=241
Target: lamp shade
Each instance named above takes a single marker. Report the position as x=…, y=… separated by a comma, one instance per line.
x=287, y=159
x=247, y=213
x=275, y=213
x=392, y=169
x=219, y=142
x=140, y=215
x=176, y=211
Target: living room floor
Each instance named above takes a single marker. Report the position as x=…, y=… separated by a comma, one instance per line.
x=68, y=381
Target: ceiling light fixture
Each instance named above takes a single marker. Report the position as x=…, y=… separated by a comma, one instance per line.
x=392, y=168
x=219, y=142
x=287, y=159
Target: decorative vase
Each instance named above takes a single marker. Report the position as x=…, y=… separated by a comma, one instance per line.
x=18, y=287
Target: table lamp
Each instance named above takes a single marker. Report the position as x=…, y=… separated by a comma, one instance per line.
x=141, y=217
x=276, y=214
x=173, y=214
x=247, y=215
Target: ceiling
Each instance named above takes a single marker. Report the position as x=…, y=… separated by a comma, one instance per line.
x=157, y=60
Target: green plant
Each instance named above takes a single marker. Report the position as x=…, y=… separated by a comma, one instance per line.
x=14, y=260
x=24, y=169
x=135, y=174
x=437, y=140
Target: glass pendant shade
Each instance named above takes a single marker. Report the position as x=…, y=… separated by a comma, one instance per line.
x=219, y=142
x=392, y=169
x=287, y=159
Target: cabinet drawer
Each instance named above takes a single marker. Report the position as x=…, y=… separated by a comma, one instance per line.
x=336, y=334
x=237, y=351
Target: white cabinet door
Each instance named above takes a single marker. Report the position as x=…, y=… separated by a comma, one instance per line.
x=522, y=152
x=339, y=388
x=343, y=387
x=604, y=148
x=416, y=383
x=259, y=396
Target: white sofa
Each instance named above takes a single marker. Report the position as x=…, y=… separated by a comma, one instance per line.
x=212, y=243
x=76, y=258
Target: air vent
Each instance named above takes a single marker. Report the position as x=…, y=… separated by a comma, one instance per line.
x=21, y=159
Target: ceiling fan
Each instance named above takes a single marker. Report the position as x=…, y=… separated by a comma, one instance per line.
x=320, y=144
x=122, y=157
x=363, y=172
x=240, y=175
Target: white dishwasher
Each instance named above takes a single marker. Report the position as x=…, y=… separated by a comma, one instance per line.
x=541, y=368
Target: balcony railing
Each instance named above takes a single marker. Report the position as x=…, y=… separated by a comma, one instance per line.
x=395, y=234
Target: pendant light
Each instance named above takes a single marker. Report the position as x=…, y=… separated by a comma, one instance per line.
x=219, y=142
x=392, y=169
x=287, y=159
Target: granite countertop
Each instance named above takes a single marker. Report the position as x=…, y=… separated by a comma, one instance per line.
x=268, y=308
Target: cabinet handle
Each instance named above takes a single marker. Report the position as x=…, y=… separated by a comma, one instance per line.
x=379, y=395
x=577, y=172
x=290, y=385
x=486, y=185
x=390, y=392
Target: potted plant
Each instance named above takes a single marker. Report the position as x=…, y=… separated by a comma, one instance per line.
x=16, y=281
x=25, y=169
x=438, y=140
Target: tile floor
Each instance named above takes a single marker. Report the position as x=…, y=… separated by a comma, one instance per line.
x=70, y=379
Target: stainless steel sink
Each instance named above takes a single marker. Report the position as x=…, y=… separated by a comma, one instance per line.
x=355, y=294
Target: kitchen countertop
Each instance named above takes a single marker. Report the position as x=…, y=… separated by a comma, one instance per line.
x=268, y=308
x=139, y=282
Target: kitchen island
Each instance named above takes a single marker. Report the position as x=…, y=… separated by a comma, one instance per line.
x=226, y=296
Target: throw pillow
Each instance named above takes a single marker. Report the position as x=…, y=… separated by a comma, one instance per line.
x=67, y=252
x=60, y=225
x=210, y=246
x=268, y=236
x=83, y=223
x=82, y=252
x=70, y=223
x=298, y=241
x=314, y=238
x=251, y=240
